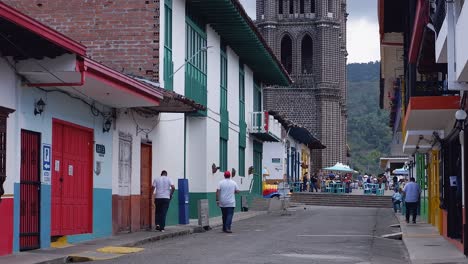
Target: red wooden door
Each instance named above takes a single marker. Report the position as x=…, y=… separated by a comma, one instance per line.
x=71, y=179
x=145, y=187
x=30, y=184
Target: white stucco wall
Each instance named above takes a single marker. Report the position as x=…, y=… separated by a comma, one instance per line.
x=9, y=99
x=274, y=150
x=461, y=42
x=63, y=107
x=202, y=148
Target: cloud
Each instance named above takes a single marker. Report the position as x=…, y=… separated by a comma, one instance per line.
x=249, y=6
x=363, y=40
x=358, y=9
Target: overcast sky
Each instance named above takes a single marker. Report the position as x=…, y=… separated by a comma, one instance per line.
x=363, y=31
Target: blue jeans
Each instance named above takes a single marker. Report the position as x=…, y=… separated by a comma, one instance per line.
x=228, y=213
x=396, y=206
x=313, y=186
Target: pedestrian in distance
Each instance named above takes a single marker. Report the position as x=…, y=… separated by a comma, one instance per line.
x=412, y=192
x=305, y=179
x=396, y=200
x=163, y=190
x=313, y=183
x=226, y=200
x=395, y=183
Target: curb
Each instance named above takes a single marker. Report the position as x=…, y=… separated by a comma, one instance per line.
x=188, y=230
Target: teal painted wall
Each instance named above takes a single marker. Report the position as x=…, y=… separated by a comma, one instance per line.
x=102, y=217
x=46, y=196
x=16, y=216
x=213, y=207
x=172, y=217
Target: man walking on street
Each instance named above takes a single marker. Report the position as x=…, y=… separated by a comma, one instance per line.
x=226, y=200
x=412, y=191
x=163, y=190
x=313, y=183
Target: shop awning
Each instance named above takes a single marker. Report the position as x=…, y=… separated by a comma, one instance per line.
x=235, y=27
x=172, y=102
x=424, y=116
x=298, y=132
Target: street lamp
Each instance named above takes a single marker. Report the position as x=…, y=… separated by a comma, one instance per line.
x=202, y=49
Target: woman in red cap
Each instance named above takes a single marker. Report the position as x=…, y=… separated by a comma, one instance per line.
x=226, y=200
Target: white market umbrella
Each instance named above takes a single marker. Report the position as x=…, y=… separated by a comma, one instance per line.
x=340, y=167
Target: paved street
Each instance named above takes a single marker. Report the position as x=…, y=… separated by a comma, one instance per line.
x=315, y=235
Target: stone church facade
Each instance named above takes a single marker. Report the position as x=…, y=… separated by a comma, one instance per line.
x=309, y=37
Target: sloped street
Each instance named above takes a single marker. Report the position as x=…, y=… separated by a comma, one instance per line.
x=311, y=235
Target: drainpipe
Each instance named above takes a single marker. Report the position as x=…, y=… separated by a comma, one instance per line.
x=79, y=67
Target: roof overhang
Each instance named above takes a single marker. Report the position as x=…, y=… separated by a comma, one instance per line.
x=420, y=22
x=32, y=36
x=88, y=79
x=391, y=16
x=235, y=27
x=304, y=136
x=391, y=65
x=424, y=116
x=385, y=160
x=172, y=102
x=301, y=134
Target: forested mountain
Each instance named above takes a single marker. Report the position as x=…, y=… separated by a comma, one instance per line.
x=369, y=136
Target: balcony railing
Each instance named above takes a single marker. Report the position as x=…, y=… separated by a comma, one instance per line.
x=432, y=88
x=264, y=126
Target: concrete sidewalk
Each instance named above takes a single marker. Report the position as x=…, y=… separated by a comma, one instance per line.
x=426, y=245
x=90, y=248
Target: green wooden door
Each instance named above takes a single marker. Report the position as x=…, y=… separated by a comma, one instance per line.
x=257, y=163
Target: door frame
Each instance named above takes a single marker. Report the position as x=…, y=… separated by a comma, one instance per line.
x=91, y=168
x=39, y=143
x=150, y=209
x=128, y=138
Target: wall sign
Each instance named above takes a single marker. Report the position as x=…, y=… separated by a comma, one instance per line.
x=275, y=160
x=46, y=158
x=101, y=150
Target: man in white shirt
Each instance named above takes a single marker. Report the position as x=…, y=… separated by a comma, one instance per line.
x=163, y=190
x=226, y=200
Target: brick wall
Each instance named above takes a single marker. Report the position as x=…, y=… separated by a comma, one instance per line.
x=122, y=34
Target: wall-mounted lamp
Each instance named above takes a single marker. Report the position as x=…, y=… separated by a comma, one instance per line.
x=107, y=125
x=214, y=168
x=39, y=107
x=460, y=115
x=233, y=172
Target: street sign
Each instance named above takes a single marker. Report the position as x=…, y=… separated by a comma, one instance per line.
x=46, y=158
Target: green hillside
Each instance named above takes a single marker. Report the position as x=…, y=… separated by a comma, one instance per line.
x=369, y=136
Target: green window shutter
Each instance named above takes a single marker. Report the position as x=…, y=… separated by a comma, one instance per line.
x=241, y=161
x=196, y=63
x=257, y=96
x=224, y=124
x=242, y=124
x=168, y=63
x=223, y=154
